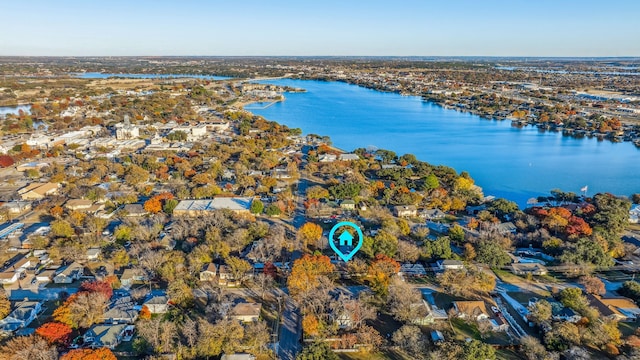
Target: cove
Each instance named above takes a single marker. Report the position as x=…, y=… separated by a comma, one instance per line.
x=509, y=162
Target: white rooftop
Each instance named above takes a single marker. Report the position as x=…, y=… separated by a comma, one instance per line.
x=231, y=203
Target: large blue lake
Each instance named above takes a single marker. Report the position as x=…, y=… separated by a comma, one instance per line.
x=507, y=162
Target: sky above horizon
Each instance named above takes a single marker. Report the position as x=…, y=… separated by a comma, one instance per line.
x=584, y=28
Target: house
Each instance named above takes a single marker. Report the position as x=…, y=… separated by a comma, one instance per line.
x=83, y=205
x=157, y=303
x=134, y=210
x=45, y=276
x=9, y=277
x=405, y=211
x=349, y=157
x=10, y=229
x=208, y=272
x=634, y=214
x=449, y=265
x=620, y=309
x=325, y=158
x=246, y=312
x=528, y=268
x=21, y=316
x=69, y=274
x=475, y=310
x=37, y=191
x=108, y=335
x=129, y=276
x=31, y=166
x=409, y=269
x=120, y=311
x=93, y=254
x=237, y=357
x=432, y=214
x=78, y=204
x=225, y=277
x=561, y=313
x=240, y=205
x=422, y=313
x=506, y=228
x=348, y=205
x=16, y=207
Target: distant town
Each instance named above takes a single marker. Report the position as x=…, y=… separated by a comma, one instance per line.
x=146, y=212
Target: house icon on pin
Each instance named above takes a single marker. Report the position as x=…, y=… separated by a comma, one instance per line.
x=346, y=239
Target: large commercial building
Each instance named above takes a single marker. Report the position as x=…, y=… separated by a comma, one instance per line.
x=204, y=207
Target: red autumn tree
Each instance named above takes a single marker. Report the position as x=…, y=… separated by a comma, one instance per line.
x=89, y=354
x=270, y=269
x=55, y=333
x=578, y=227
x=101, y=287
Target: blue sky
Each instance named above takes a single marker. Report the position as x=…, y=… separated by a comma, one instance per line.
x=321, y=27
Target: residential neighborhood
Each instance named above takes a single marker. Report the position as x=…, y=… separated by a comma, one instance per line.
x=158, y=218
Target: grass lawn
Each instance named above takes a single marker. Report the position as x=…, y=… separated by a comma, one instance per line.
x=508, y=277
x=125, y=346
x=383, y=355
x=385, y=324
x=444, y=301
x=465, y=330
x=627, y=328
x=523, y=297
x=505, y=354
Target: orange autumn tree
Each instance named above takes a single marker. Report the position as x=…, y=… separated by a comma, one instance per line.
x=306, y=273
x=154, y=204
x=55, y=333
x=145, y=313
x=310, y=325
x=380, y=272
x=89, y=354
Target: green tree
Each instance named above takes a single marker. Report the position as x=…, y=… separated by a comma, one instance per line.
x=631, y=289
x=317, y=192
x=572, y=297
x=438, y=249
x=456, y=233
x=502, y=207
x=476, y=350
x=169, y=206
x=562, y=336
x=238, y=268
x=257, y=207
x=347, y=190
x=430, y=182
x=492, y=254
x=540, y=312
x=61, y=228
x=272, y=210
x=317, y=351
x=586, y=252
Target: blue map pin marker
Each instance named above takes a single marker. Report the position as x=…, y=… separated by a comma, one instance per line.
x=346, y=239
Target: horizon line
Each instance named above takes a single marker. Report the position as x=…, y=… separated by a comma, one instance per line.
x=328, y=56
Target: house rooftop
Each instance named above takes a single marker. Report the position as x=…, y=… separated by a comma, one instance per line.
x=246, y=309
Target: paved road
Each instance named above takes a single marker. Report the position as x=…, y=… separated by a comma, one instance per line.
x=290, y=331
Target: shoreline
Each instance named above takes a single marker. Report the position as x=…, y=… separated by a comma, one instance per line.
x=523, y=200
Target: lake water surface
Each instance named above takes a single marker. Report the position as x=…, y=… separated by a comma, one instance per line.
x=507, y=162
